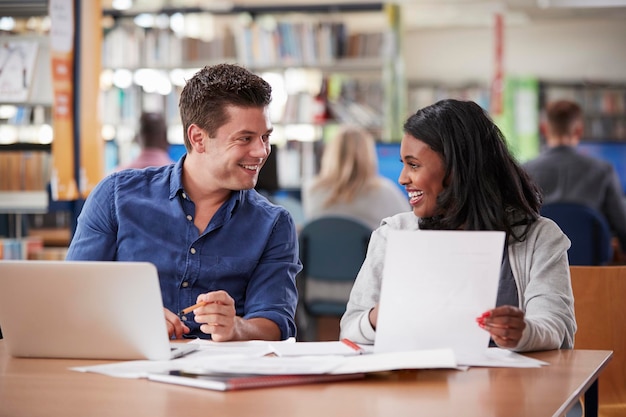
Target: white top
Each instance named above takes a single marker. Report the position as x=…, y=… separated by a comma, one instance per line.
x=380, y=201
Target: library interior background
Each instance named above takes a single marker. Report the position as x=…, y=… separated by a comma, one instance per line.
x=75, y=76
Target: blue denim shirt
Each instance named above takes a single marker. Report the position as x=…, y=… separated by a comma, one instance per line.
x=249, y=249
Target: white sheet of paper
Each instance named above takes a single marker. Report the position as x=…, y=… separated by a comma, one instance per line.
x=334, y=364
x=203, y=363
x=415, y=359
x=256, y=362
x=500, y=358
x=312, y=349
x=269, y=365
x=208, y=352
x=435, y=284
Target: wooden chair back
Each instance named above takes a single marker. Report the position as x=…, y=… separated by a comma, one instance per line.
x=599, y=294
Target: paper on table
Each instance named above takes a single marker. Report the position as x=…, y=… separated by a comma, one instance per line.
x=206, y=354
x=287, y=347
x=416, y=359
x=238, y=357
x=267, y=365
x=129, y=369
x=313, y=349
x=248, y=347
x=205, y=361
x=306, y=365
x=435, y=284
x=496, y=357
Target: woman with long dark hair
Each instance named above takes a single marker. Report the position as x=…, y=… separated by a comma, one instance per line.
x=459, y=175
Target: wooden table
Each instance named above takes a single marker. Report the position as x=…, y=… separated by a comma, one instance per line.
x=45, y=387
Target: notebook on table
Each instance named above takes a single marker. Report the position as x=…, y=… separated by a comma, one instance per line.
x=232, y=382
x=84, y=310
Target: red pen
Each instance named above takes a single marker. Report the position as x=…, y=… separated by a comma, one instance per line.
x=352, y=345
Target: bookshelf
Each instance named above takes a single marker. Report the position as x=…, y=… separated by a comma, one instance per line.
x=25, y=133
x=422, y=94
x=518, y=119
x=32, y=147
x=603, y=104
x=25, y=112
x=346, y=55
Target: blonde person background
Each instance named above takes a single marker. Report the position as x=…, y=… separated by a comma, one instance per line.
x=349, y=184
x=459, y=175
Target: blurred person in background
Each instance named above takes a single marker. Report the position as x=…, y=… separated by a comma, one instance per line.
x=349, y=184
x=567, y=176
x=152, y=138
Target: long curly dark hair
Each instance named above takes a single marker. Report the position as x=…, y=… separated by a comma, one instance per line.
x=484, y=187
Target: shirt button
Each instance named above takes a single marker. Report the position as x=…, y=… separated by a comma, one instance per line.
x=189, y=217
x=184, y=318
x=185, y=284
x=193, y=251
x=184, y=196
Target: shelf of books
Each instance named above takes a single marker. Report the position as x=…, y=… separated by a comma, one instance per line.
x=422, y=94
x=604, y=107
x=326, y=67
x=28, y=228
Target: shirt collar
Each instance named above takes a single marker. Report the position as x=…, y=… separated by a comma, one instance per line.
x=176, y=187
x=562, y=149
x=176, y=178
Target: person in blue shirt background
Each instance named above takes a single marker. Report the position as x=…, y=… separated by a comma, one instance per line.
x=212, y=237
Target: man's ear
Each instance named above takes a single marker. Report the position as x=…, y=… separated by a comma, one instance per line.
x=579, y=129
x=543, y=128
x=196, y=137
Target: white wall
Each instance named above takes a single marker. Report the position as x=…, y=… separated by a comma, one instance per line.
x=584, y=50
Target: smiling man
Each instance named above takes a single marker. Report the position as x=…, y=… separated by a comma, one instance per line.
x=214, y=240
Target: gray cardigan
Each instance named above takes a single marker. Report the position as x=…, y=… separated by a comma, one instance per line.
x=540, y=268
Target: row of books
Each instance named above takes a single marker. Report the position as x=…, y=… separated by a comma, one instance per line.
x=20, y=249
x=420, y=96
x=604, y=108
x=600, y=129
x=133, y=47
x=305, y=43
x=284, y=43
x=354, y=101
x=598, y=100
x=24, y=170
x=28, y=115
x=122, y=107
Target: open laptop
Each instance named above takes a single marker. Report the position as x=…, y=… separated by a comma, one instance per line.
x=84, y=310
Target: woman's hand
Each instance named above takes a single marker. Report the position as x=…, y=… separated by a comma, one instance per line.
x=373, y=316
x=505, y=324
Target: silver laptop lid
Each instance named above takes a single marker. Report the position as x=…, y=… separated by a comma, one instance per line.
x=94, y=310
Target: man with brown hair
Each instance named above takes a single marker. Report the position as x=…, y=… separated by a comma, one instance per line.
x=565, y=175
x=215, y=241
